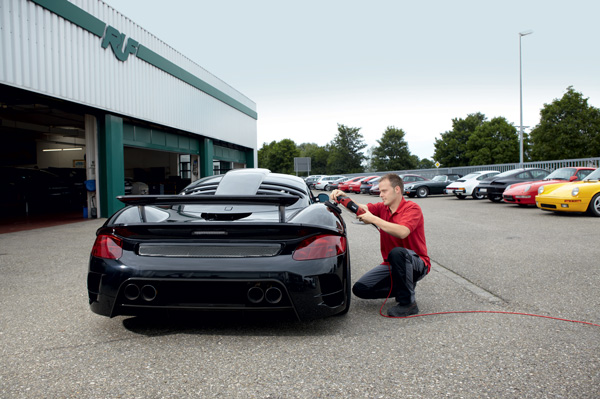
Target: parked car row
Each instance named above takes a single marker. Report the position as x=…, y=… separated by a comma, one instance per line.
x=324, y=182
x=523, y=194
x=569, y=189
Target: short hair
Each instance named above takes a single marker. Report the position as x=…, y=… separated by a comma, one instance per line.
x=395, y=181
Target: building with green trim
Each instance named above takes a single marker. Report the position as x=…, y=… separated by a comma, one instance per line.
x=83, y=86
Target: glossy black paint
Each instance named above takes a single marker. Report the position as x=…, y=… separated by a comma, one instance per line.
x=179, y=281
x=435, y=186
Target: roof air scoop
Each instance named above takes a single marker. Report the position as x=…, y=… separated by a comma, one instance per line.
x=241, y=182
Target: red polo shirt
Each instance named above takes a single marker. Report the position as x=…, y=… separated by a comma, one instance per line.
x=408, y=214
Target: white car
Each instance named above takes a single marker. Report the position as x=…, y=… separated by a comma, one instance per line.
x=321, y=184
x=464, y=186
x=312, y=179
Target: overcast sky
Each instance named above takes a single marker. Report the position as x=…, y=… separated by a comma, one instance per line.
x=415, y=65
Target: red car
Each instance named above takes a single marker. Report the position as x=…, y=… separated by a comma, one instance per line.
x=355, y=185
x=523, y=194
x=344, y=186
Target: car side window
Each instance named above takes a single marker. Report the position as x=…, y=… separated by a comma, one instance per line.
x=539, y=174
x=582, y=174
x=523, y=175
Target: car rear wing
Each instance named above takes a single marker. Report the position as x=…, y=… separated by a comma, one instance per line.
x=143, y=200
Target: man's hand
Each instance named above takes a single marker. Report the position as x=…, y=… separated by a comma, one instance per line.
x=335, y=194
x=367, y=217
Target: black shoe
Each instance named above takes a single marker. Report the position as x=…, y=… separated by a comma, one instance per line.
x=403, y=310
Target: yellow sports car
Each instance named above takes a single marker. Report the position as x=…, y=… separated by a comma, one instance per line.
x=578, y=196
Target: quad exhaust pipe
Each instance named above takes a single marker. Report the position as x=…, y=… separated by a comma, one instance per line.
x=255, y=294
x=132, y=292
x=148, y=293
x=272, y=295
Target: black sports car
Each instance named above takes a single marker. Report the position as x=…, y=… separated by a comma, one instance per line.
x=494, y=186
x=249, y=240
x=434, y=186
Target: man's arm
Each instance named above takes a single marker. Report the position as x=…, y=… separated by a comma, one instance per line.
x=396, y=230
x=393, y=229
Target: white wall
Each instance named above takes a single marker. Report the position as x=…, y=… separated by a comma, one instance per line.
x=42, y=52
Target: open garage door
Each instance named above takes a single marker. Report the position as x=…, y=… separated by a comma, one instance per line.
x=158, y=172
x=42, y=156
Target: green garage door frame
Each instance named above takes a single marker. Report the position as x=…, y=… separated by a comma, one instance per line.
x=114, y=134
x=154, y=139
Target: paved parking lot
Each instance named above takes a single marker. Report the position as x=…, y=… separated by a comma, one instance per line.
x=486, y=256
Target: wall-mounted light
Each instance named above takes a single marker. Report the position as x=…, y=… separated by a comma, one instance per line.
x=62, y=149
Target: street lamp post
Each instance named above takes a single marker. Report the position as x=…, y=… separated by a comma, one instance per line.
x=521, y=34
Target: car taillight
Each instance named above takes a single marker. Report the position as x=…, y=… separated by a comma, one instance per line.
x=318, y=247
x=107, y=247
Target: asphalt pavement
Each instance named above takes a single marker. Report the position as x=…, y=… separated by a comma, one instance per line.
x=486, y=257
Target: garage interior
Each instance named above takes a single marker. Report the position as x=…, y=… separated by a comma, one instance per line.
x=42, y=161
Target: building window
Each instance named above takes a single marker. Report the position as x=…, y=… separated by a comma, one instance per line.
x=185, y=170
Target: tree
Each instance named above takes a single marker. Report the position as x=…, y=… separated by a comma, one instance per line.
x=264, y=154
x=493, y=142
x=392, y=152
x=569, y=128
x=426, y=163
x=318, y=157
x=345, y=154
x=451, y=149
x=278, y=157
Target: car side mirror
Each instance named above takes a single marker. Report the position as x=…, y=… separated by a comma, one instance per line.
x=572, y=178
x=323, y=198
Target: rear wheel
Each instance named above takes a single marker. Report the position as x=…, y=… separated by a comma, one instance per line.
x=477, y=195
x=594, y=207
x=348, y=293
x=422, y=192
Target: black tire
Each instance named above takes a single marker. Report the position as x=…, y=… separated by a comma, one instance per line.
x=478, y=195
x=327, y=188
x=594, y=207
x=460, y=196
x=422, y=192
x=348, y=291
x=495, y=198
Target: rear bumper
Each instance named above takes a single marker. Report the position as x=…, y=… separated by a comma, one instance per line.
x=490, y=190
x=308, y=289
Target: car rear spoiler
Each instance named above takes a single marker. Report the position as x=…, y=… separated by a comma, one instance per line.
x=280, y=200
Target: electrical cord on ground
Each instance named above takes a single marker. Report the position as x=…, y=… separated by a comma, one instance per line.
x=471, y=311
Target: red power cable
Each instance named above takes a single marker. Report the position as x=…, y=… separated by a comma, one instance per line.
x=471, y=311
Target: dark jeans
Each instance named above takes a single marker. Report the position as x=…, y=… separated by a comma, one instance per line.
x=407, y=269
